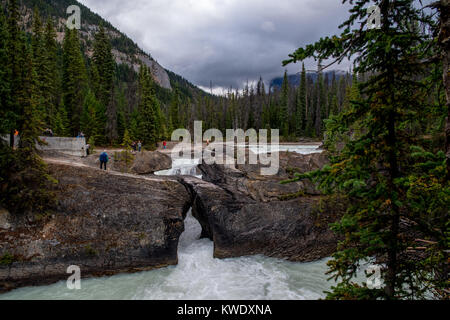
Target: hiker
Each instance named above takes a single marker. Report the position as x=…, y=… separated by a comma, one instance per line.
x=48, y=132
x=88, y=147
x=140, y=146
x=103, y=159
x=133, y=146
x=164, y=145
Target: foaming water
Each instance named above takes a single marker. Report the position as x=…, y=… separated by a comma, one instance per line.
x=182, y=167
x=199, y=276
x=300, y=149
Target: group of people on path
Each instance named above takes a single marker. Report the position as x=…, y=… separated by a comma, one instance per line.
x=136, y=146
x=104, y=157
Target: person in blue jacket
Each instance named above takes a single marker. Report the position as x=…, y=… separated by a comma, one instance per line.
x=103, y=160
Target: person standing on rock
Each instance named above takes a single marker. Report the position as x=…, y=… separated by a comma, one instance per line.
x=164, y=145
x=140, y=146
x=103, y=159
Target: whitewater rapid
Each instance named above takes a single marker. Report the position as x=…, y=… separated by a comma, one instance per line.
x=198, y=275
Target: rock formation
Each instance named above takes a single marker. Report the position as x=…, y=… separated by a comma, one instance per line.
x=104, y=223
x=109, y=222
x=246, y=214
x=151, y=162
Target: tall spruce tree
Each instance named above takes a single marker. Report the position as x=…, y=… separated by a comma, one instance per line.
x=24, y=178
x=149, y=126
x=444, y=43
x=5, y=102
x=104, y=66
x=284, y=107
x=50, y=74
x=174, y=110
x=301, y=108
x=14, y=67
x=40, y=66
x=74, y=79
x=395, y=185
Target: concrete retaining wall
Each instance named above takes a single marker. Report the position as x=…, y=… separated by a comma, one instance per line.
x=70, y=146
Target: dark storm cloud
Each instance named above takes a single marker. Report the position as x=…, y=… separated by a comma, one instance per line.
x=224, y=41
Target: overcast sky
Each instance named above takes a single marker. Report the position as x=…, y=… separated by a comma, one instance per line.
x=224, y=41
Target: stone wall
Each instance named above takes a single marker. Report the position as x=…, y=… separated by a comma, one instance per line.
x=69, y=146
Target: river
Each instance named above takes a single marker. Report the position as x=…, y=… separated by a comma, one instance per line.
x=198, y=275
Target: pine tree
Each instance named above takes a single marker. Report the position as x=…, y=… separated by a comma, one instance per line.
x=14, y=67
x=444, y=45
x=104, y=65
x=126, y=154
x=301, y=109
x=174, y=110
x=50, y=74
x=39, y=65
x=319, y=107
x=149, y=127
x=310, y=110
x=394, y=187
x=5, y=102
x=284, y=107
x=90, y=123
x=61, y=125
x=74, y=79
x=24, y=178
x=121, y=125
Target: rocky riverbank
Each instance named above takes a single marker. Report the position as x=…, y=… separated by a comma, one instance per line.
x=112, y=222
x=104, y=223
x=245, y=213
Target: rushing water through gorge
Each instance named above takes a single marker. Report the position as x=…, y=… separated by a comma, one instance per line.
x=198, y=275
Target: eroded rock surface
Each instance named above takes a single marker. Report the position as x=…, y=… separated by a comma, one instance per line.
x=150, y=162
x=245, y=213
x=105, y=223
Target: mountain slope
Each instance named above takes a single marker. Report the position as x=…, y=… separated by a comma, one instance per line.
x=125, y=50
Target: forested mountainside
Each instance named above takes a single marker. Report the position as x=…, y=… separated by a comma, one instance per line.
x=91, y=82
x=97, y=43
x=124, y=50
x=295, y=79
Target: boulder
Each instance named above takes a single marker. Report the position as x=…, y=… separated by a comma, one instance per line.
x=247, y=214
x=151, y=162
x=105, y=223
